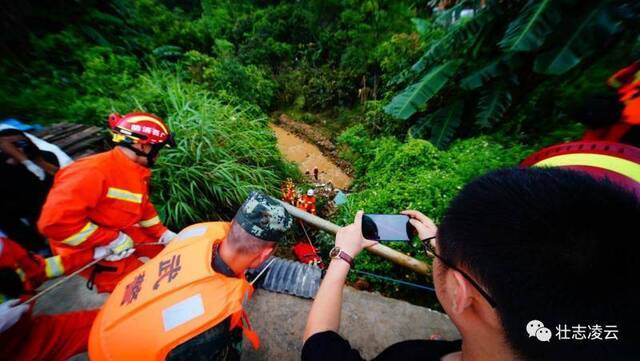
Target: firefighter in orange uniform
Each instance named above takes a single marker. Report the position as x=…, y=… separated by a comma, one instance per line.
x=308, y=202
x=288, y=192
x=187, y=303
x=31, y=268
x=99, y=206
x=44, y=337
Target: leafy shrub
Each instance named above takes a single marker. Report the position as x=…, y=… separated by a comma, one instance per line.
x=318, y=88
x=398, y=53
x=270, y=35
x=394, y=176
x=227, y=75
x=493, y=62
x=223, y=151
x=378, y=122
x=106, y=78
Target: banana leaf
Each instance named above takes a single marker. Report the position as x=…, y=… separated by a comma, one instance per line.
x=415, y=96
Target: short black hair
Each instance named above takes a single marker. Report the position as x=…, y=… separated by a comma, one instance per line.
x=553, y=245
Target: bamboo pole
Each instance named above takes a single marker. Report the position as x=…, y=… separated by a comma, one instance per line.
x=379, y=249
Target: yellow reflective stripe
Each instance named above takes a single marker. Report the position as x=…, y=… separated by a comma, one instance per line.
x=81, y=236
x=54, y=267
x=123, y=246
x=124, y=195
x=618, y=165
x=21, y=274
x=150, y=222
x=144, y=118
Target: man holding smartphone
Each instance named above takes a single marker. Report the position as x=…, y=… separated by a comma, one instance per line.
x=516, y=248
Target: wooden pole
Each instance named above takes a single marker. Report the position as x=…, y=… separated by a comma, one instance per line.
x=379, y=249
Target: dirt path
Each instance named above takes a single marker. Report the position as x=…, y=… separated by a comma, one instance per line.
x=307, y=156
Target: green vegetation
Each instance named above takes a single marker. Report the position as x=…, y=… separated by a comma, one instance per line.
x=429, y=179
x=223, y=152
x=512, y=67
x=420, y=101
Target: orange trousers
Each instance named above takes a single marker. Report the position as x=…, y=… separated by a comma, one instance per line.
x=47, y=337
x=106, y=275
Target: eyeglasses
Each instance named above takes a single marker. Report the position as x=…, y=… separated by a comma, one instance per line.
x=429, y=248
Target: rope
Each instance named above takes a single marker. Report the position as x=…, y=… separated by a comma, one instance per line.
x=305, y=232
x=393, y=280
x=64, y=279
x=263, y=271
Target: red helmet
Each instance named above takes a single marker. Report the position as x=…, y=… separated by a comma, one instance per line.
x=620, y=163
x=140, y=128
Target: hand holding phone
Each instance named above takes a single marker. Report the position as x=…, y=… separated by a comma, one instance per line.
x=349, y=238
x=424, y=225
x=387, y=227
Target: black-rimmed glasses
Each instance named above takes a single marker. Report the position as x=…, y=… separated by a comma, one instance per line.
x=429, y=248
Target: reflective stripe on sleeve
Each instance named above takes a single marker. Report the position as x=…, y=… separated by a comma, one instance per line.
x=124, y=195
x=54, y=267
x=21, y=274
x=150, y=222
x=81, y=236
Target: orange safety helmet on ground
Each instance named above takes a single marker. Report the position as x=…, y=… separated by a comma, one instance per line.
x=141, y=128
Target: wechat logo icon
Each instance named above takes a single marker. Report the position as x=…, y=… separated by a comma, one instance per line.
x=536, y=329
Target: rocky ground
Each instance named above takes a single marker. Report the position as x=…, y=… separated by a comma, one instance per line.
x=370, y=321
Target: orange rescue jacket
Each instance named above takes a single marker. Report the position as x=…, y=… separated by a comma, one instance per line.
x=95, y=198
x=169, y=300
x=32, y=268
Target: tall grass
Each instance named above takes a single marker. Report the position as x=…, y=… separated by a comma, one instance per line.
x=223, y=151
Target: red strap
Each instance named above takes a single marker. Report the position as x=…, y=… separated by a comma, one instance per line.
x=240, y=319
x=249, y=333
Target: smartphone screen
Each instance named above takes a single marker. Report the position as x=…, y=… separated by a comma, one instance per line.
x=387, y=227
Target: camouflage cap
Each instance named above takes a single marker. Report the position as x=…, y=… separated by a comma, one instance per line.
x=263, y=217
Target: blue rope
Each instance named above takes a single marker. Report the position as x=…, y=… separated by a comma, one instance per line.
x=393, y=280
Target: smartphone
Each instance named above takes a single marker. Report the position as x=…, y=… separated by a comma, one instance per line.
x=387, y=227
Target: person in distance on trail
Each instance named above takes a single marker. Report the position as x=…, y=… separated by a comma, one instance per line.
x=529, y=264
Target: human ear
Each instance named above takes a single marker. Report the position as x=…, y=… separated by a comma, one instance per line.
x=264, y=254
x=459, y=290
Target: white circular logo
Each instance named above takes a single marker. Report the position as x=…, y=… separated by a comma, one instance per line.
x=533, y=326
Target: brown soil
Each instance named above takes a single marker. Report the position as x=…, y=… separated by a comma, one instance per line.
x=307, y=156
x=313, y=135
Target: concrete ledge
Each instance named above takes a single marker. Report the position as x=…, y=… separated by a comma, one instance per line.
x=370, y=321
